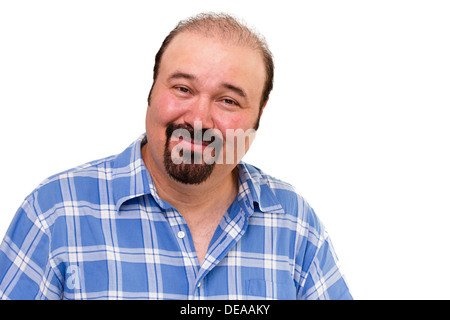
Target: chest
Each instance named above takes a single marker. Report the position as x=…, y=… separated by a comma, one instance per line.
x=146, y=254
x=202, y=229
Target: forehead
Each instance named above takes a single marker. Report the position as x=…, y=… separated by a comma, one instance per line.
x=214, y=59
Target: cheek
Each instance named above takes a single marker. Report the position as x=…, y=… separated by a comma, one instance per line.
x=235, y=121
x=238, y=134
x=164, y=109
x=160, y=113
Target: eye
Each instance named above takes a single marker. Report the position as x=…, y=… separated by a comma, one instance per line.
x=230, y=102
x=182, y=89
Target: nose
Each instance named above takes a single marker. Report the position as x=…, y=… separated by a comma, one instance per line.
x=200, y=110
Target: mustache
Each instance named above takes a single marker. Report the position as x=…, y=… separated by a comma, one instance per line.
x=187, y=128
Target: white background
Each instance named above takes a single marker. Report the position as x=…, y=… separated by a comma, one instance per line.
x=358, y=120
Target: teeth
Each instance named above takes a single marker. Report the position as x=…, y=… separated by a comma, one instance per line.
x=186, y=139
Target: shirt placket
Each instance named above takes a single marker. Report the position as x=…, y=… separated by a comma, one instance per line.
x=233, y=229
x=232, y=233
x=184, y=239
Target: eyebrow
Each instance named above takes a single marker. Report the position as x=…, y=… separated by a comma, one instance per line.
x=235, y=89
x=182, y=75
x=188, y=76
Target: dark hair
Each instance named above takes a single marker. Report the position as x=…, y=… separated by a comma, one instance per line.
x=228, y=28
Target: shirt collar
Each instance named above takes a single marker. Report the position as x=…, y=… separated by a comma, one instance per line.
x=131, y=179
x=254, y=186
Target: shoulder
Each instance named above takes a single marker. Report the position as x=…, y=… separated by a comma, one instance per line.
x=90, y=185
x=294, y=205
x=70, y=185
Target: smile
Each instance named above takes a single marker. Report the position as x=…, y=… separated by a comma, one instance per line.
x=192, y=145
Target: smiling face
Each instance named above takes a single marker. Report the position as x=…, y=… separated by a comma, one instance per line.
x=207, y=81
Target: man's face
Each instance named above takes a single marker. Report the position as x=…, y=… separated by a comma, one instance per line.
x=203, y=83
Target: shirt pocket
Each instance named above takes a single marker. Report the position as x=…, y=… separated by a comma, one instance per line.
x=262, y=289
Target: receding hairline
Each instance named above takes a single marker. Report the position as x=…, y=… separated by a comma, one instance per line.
x=223, y=26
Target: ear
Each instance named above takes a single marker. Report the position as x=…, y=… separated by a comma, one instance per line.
x=262, y=109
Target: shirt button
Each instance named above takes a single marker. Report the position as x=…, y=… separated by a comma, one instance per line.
x=181, y=234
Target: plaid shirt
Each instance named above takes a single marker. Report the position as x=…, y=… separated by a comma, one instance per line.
x=100, y=231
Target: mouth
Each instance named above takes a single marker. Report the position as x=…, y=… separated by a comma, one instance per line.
x=187, y=143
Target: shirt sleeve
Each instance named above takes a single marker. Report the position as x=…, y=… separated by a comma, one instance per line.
x=25, y=268
x=324, y=280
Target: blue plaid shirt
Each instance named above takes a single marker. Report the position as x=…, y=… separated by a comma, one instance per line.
x=100, y=231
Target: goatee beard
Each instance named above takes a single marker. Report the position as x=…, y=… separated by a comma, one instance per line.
x=187, y=173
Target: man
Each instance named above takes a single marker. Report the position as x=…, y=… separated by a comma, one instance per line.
x=172, y=217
